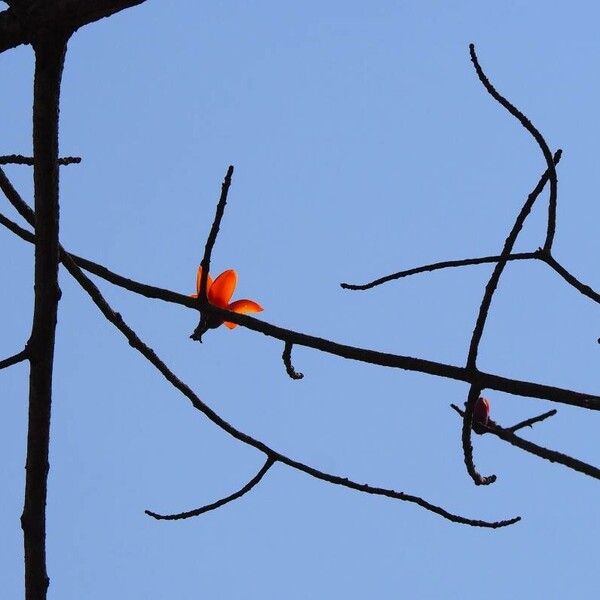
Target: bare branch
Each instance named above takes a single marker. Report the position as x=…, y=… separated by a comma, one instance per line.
x=479, y=479
x=205, y=323
x=21, y=22
x=14, y=359
x=435, y=267
x=507, y=435
x=208, y=507
x=532, y=421
x=492, y=284
x=150, y=355
x=287, y=361
x=586, y=290
x=550, y=161
x=487, y=380
x=19, y=159
x=49, y=60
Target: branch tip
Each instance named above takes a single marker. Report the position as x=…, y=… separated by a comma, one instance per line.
x=287, y=361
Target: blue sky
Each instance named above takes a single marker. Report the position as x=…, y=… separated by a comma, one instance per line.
x=363, y=144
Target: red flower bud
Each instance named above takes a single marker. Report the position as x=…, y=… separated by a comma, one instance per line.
x=481, y=411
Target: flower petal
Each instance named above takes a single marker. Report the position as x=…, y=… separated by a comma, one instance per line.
x=209, y=281
x=222, y=288
x=230, y=325
x=245, y=306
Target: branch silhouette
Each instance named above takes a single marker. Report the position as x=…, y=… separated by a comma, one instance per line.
x=135, y=342
x=508, y=435
x=492, y=381
x=214, y=505
x=490, y=289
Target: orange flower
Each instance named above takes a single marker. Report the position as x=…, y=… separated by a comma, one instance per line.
x=219, y=294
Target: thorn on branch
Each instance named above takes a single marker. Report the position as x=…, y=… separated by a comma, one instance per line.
x=287, y=361
x=214, y=505
x=19, y=159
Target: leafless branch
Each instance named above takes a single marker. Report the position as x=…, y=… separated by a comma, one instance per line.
x=208, y=507
x=287, y=361
x=552, y=455
x=527, y=124
x=19, y=159
x=50, y=52
x=14, y=359
x=135, y=342
x=436, y=267
x=487, y=380
x=532, y=421
x=205, y=323
x=492, y=284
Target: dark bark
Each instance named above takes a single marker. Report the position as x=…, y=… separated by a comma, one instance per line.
x=49, y=59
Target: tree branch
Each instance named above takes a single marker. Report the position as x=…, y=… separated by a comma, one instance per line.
x=14, y=359
x=208, y=507
x=19, y=159
x=486, y=380
x=435, y=267
x=20, y=23
x=537, y=136
x=532, y=421
x=287, y=361
x=507, y=435
x=49, y=59
x=492, y=284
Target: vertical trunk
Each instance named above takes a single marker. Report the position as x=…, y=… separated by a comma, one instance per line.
x=49, y=59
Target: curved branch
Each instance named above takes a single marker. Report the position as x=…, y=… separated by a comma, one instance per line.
x=467, y=425
x=508, y=435
x=435, y=267
x=586, y=290
x=516, y=387
x=287, y=361
x=208, y=507
x=550, y=161
x=492, y=284
x=18, y=24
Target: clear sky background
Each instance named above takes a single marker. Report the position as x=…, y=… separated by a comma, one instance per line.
x=363, y=144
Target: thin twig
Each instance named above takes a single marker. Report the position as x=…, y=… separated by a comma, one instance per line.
x=550, y=174
x=487, y=380
x=550, y=161
x=205, y=323
x=208, y=507
x=532, y=421
x=435, y=267
x=507, y=435
x=586, y=290
x=19, y=159
x=287, y=361
x=14, y=359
